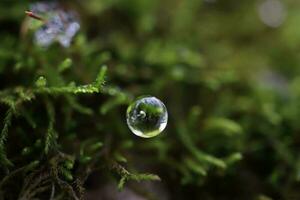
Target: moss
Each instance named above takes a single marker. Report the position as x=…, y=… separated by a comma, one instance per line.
x=233, y=130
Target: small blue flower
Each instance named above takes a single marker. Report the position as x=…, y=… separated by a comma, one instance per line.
x=59, y=25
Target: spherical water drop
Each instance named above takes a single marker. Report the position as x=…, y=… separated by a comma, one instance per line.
x=147, y=117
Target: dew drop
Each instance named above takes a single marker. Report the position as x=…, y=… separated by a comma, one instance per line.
x=147, y=117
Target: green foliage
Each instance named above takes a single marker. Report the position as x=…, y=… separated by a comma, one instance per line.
x=7, y=122
x=230, y=84
x=50, y=141
x=126, y=175
x=66, y=64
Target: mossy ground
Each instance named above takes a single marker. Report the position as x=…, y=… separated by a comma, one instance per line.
x=230, y=84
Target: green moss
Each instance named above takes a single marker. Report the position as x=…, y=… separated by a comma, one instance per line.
x=229, y=82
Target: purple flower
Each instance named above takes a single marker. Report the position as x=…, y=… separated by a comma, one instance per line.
x=59, y=25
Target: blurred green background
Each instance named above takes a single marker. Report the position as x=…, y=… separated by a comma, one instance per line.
x=228, y=72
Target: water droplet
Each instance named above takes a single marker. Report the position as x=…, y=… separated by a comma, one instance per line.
x=147, y=117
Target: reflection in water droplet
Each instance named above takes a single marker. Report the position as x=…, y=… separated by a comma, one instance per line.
x=147, y=117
